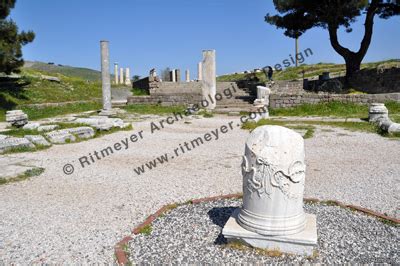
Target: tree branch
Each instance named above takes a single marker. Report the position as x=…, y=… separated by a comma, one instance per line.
x=368, y=26
x=332, y=29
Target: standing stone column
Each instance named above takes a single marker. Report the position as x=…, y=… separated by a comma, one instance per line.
x=127, y=77
x=173, y=75
x=116, y=72
x=105, y=77
x=121, y=76
x=178, y=75
x=199, y=71
x=187, y=75
x=209, y=78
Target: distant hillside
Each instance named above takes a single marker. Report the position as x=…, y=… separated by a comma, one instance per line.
x=76, y=72
x=310, y=71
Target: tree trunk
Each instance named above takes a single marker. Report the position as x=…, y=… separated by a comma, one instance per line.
x=353, y=63
x=353, y=59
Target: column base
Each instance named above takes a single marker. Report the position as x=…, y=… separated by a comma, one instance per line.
x=109, y=112
x=302, y=243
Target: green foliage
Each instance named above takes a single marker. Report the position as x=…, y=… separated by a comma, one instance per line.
x=28, y=173
x=292, y=73
x=352, y=126
x=32, y=89
x=206, y=114
x=353, y=91
x=310, y=130
x=337, y=109
x=146, y=230
x=302, y=15
x=139, y=92
x=297, y=17
x=135, y=78
x=393, y=107
x=75, y=72
x=35, y=113
x=11, y=41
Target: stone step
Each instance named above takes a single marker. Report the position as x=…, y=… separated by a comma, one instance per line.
x=247, y=98
x=229, y=105
x=227, y=102
x=238, y=94
x=218, y=110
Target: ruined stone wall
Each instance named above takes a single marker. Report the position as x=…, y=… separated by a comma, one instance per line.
x=168, y=93
x=293, y=100
x=379, y=80
x=142, y=84
x=166, y=100
x=288, y=87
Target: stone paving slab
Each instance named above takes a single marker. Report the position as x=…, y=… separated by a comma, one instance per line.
x=11, y=166
x=13, y=142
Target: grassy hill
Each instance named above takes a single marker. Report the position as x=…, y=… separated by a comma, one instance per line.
x=76, y=85
x=310, y=71
x=68, y=71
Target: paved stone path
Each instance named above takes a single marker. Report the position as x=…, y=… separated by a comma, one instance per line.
x=63, y=218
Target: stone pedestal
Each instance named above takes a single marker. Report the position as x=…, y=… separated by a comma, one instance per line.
x=262, y=96
x=272, y=214
x=209, y=78
x=377, y=111
x=302, y=243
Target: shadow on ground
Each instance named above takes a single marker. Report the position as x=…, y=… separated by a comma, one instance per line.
x=219, y=216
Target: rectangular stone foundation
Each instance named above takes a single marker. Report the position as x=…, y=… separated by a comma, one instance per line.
x=302, y=243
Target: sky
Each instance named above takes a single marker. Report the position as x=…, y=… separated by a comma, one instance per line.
x=146, y=34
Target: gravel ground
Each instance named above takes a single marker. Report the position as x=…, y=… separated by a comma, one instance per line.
x=62, y=218
x=192, y=234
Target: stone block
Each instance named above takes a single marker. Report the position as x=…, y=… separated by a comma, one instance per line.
x=47, y=128
x=377, y=111
x=60, y=136
x=31, y=126
x=12, y=142
x=82, y=132
x=37, y=139
x=101, y=123
x=302, y=243
x=16, y=118
x=394, y=128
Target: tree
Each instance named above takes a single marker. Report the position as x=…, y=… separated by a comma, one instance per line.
x=298, y=16
x=11, y=41
x=135, y=78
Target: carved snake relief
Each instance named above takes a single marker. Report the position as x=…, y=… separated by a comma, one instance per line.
x=258, y=181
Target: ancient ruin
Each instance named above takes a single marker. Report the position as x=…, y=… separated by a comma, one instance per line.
x=16, y=118
x=272, y=215
x=105, y=79
x=379, y=115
